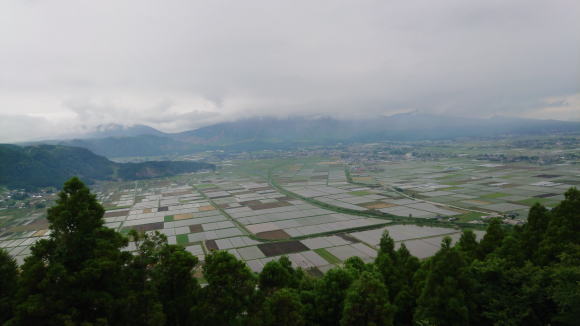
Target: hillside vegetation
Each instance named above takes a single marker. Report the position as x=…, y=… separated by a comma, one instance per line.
x=527, y=275
x=32, y=167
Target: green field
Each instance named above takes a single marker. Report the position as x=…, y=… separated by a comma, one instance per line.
x=327, y=256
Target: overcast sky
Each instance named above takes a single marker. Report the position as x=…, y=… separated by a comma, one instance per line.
x=67, y=66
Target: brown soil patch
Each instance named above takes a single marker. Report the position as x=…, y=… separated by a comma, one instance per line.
x=146, y=227
x=282, y=248
x=348, y=238
x=195, y=228
x=211, y=245
x=182, y=216
x=147, y=210
x=273, y=235
x=40, y=233
x=206, y=208
x=268, y=205
x=377, y=205
x=36, y=225
x=250, y=202
x=116, y=214
x=177, y=193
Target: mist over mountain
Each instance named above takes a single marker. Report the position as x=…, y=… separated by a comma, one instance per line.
x=118, y=130
x=274, y=133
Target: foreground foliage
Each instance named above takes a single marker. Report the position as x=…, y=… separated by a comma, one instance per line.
x=527, y=275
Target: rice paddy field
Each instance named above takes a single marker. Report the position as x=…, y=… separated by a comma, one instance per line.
x=318, y=212
x=477, y=186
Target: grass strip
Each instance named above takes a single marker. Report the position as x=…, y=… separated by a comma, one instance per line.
x=327, y=256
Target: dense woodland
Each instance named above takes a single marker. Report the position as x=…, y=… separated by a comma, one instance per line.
x=33, y=167
x=526, y=275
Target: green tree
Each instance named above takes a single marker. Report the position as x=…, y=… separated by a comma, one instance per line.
x=405, y=299
x=492, y=239
x=163, y=288
x=562, y=235
x=468, y=244
x=142, y=303
x=511, y=295
x=229, y=292
x=75, y=276
x=330, y=295
x=534, y=230
x=355, y=263
x=445, y=297
x=277, y=274
x=387, y=264
x=366, y=303
x=8, y=284
x=178, y=290
x=565, y=292
x=283, y=308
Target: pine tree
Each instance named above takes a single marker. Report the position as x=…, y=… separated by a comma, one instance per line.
x=367, y=303
x=561, y=236
x=283, y=308
x=492, y=239
x=330, y=295
x=8, y=284
x=75, y=276
x=445, y=297
x=468, y=244
x=230, y=290
x=275, y=275
x=405, y=299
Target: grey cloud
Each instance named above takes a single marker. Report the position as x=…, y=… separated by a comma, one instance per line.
x=241, y=58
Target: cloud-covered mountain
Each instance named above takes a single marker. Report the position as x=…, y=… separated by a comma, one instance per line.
x=274, y=133
x=118, y=130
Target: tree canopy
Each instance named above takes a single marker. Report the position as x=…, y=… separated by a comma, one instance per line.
x=84, y=275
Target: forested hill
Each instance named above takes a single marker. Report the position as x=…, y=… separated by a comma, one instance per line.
x=39, y=166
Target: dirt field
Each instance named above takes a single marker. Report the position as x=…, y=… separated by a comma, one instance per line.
x=282, y=248
x=182, y=216
x=195, y=228
x=377, y=205
x=147, y=227
x=116, y=214
x=211, y=245
x=273, y=235
x=177, y=193
x=206, y=208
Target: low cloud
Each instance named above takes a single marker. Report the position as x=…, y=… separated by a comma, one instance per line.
x=180, y=64
x=562, y=107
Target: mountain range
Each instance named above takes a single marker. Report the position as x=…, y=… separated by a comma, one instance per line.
x=272, y=133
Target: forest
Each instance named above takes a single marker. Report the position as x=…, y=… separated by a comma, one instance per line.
x=522, y=275
x=40, y=166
